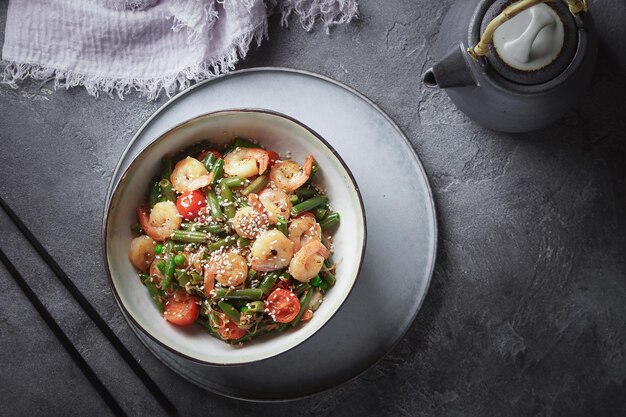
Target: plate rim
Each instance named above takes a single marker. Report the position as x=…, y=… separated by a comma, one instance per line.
x=391, y=122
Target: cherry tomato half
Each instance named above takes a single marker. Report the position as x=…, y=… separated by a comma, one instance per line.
x=273, y=156
x=282, y=305
x=190, y=203
x=181, y=312
x=228, y=329
x=205, y=152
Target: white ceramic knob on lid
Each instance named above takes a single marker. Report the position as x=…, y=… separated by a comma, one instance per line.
x=531, y=40
x=535, y=44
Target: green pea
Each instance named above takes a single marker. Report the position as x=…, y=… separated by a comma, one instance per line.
x=179, y=259
x=316, y=281
x=158, y=249
x=244, y=309
x=324, y=285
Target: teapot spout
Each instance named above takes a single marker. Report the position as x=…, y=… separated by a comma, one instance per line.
x=453, y=70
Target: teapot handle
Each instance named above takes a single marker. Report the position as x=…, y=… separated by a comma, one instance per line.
x=482, y=47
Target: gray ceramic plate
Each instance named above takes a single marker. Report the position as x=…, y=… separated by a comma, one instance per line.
x=402, y=235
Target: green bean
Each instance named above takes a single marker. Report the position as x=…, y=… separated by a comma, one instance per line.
x=214, y=205
x=182, y=277
x=169, y=273
x=305, y=299
x=250, y=277
x=218, y=166
x=208, y=161
x=228, y=201
x=330, y=220
x=242, y=242
x=320, y=213
x=153, y=197
x=256, y=306
x=178, y=247
x=268, y=281
x=136, y=228
x=309, y=204
x=324, y=286
x=257, y=185
x=283, y=327
x=329, y=278
x=302, y=287
x=250, y=294
x=153, y=291
x=167, y=191
x=314, y=168
x=230, y=311
x=227, y=241
x=161, y=265
x=244, y=143
x=329, y=261
x=189, y=237
x=239, y=304
x=294, y=199
x=234, y=182
x=196, y=278
x=305, y=192
x=204, y=227
x=214, y=321
x=166, y=168
x=281, y=224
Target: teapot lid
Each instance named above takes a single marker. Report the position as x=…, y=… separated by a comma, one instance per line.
x=534, y=46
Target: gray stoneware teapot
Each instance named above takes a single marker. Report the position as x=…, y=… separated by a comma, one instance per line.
x=514, y=66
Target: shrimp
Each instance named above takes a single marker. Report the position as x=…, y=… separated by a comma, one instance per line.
x=308, y=261
x=190, y=174
x=304, y=230
x=271, y=251
x=276, y=203
x=228, y=268
x=242, y=162
x=249, y=222
x=162, y=220
x=141, y=252
x=289, y=176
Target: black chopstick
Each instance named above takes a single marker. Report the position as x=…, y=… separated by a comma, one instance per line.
x=65, y=341
x=92, y=313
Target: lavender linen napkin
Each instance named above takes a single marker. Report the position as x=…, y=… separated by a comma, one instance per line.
x=151, y=46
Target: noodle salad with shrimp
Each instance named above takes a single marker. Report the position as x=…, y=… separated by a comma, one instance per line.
x=236, y=240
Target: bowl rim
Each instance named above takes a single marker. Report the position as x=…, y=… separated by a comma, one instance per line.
x=109, y=205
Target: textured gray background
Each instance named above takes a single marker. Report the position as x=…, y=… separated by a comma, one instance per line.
x=526, y=314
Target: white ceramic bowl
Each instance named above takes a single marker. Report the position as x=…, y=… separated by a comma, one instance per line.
x=273, y=131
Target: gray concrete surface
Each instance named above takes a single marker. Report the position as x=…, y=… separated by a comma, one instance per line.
x=526, y=315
